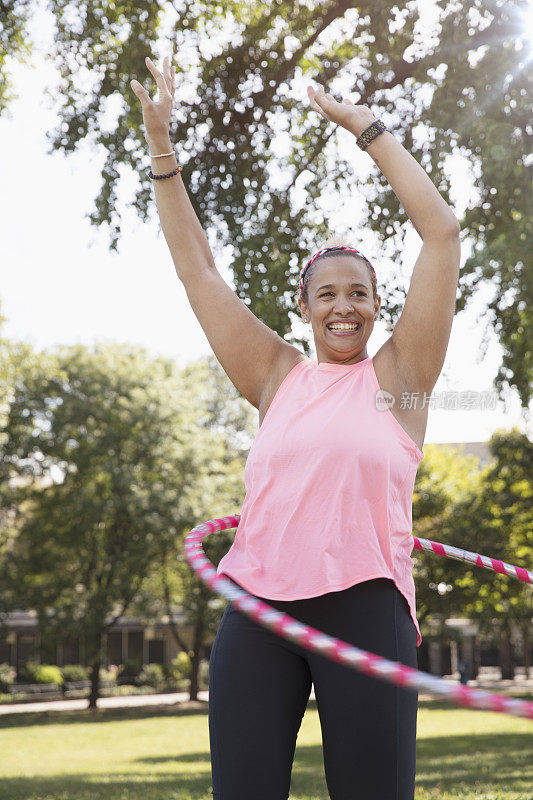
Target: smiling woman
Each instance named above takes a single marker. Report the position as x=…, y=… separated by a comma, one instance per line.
x=325, y=527
x=342, y=306
x=338, y=294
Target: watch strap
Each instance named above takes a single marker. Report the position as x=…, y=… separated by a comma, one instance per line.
x=370, y=134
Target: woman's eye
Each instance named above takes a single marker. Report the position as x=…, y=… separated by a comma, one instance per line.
x=325, y=293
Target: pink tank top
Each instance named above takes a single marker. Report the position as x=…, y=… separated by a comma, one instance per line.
x=329, y=485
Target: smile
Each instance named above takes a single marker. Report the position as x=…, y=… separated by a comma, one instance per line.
x=344, y=331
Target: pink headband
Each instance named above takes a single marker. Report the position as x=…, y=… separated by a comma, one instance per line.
x=325, y=250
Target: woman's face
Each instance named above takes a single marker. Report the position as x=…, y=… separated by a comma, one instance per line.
x=340, y=290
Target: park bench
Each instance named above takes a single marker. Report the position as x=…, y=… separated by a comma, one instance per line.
x=34, y=688
x=68, y=685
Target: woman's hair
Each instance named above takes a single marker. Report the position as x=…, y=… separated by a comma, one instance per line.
x=335, y=254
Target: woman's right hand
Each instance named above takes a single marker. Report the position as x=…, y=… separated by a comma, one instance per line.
x=156, y=115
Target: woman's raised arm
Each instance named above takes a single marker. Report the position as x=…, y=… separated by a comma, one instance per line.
x=251, y=354
x=422, y=333
x=183, y=232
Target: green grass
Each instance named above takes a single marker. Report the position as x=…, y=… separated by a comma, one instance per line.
x=163, y=754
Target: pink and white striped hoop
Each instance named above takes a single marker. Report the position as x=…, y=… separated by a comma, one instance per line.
x=337, y=650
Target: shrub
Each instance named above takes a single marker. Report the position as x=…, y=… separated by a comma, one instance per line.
x=48, y=673
x=182, y=665
x=168, y=671
x=110, y=674
x=132, y=667
x=151, y=675
x=26, y=673
x=7, y=676
x=75, y=672
x=32, y=672
x=204, y=673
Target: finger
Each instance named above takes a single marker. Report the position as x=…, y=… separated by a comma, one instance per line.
x=169, y=75
x=323, y=94
x=314, y=96
x=166, y=73
x=313, y=101
x=159, y=77
x=319, y=111
x=157, y=74
x=141, y=92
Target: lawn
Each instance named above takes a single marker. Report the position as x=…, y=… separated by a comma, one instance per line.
x=163, y=754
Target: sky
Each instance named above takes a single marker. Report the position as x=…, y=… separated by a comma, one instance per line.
x=61, y=285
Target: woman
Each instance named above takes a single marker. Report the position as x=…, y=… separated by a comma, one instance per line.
x=326, y=530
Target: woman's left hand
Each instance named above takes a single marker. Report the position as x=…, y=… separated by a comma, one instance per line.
x=353, y=118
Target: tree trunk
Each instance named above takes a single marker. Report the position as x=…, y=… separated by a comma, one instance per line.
x=195, y=672
x=506, y=656
x=477, y=658
x=95, y=683
x=525, y=649
x=195, y=659
x=96, y=663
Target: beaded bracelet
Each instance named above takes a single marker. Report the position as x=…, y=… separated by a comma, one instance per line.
x=168, y=175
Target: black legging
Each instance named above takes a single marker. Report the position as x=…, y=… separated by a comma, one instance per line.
x=259, y=685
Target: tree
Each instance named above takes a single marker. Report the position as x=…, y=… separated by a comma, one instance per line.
x=503, y=521
x=117, y=428
x=445, y=479
x=14, y=43
x=484, y=510
x=487, y=116
x=232, y=424
x=226, y=426
x=15, y=358
x=465, y=84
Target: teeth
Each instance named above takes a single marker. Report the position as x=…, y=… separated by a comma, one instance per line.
x=343, y=327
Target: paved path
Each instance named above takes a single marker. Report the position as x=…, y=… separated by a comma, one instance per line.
x=491, y=684
x=103, y=702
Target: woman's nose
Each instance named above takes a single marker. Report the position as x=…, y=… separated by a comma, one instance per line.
x=344, y=306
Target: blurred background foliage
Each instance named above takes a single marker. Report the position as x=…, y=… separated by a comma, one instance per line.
x=238, y=64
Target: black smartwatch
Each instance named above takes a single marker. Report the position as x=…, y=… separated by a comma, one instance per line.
x=370, y=134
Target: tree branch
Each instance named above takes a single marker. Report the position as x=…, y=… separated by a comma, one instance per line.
x=407, y=69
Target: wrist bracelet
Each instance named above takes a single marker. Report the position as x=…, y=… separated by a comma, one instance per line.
x=370, y=134
x=168, y=174
x=161, y=155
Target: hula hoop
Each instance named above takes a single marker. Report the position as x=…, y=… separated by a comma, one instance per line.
x=371, y=664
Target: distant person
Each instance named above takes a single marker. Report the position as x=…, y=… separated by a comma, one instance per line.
x=326, y=525
x=464, y=672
